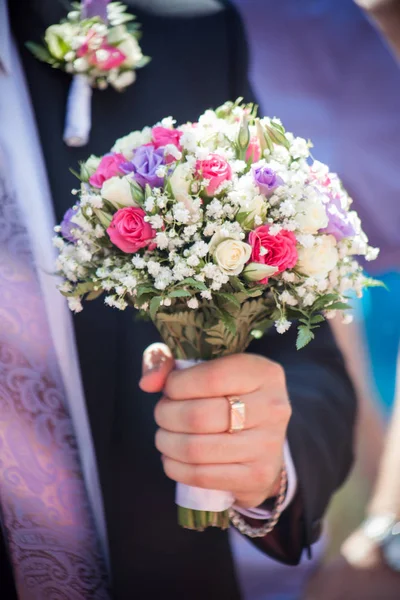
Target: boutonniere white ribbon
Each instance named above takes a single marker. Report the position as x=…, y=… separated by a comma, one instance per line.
x=98, y=44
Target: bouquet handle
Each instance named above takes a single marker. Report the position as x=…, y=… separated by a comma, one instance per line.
x=78, y=118
x=199, y=508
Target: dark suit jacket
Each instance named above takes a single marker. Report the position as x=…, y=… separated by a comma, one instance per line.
x=196, y=63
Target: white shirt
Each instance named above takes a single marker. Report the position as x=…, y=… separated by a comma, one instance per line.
x=19, y=137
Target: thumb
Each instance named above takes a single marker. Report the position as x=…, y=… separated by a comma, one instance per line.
x=158, y=362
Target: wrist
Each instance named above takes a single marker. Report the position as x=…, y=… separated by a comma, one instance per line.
x=375, y=544
x=361, y=551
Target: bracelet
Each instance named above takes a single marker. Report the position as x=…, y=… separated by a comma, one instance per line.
x=254, y=532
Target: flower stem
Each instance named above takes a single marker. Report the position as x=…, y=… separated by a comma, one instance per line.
x=198, y=520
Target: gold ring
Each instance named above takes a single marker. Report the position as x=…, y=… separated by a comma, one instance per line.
x=237, y=414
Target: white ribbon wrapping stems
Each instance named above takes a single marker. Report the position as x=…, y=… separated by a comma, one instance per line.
x=78, y=118
x=199, y=498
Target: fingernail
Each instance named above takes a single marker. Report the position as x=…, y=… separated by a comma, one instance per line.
x=154, y=357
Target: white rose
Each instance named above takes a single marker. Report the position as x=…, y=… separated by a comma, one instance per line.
x=180, y=181
x=231, y=256
x=117, y=190
x=311, y=216
x=132, y=51
x=256, y=207
x=123, y=80
x=81, y=65
x=127, y=144
x=318, y=260
x=56, y=38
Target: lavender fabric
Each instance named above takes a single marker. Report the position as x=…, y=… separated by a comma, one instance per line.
x=43, y=501
x=68, y=226
x=338, y=225
x=319, y=93
x=95, y=8
x=266, y=179
x=144, y=166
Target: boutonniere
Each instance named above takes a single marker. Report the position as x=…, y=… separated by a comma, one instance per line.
x=98, y=44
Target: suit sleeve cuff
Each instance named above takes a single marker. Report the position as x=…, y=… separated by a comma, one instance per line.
x=262, y=513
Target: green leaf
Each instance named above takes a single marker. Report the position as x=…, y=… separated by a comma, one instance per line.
x=323, y=301
x=214, y=341
x=264, y=324
x=238, y=285
x=368, y=282
x=179, y=294
x=255, y=292
x=77, y=175
x=190, y=281
x=228, y=321
x=40, y=52
x=229, y=297
x=304, y=321
x=304, y=336
x=95, y=294
x=80, y=289
x=144, y=289
x=339, y=306
x=317, y=319
x=154, y=306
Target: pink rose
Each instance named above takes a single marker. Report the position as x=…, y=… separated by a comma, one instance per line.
x=107, y=57
x=109, y=167
x=162, y=136
x=92, y=38
x=129, y=231
x=216, y=170
x=253, y=151
x=99, y=53
x=274, y=250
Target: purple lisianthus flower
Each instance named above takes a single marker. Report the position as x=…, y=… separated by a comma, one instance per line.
x=67, y=226
x=145, y=164
x=95, y=8
x=266, y=179
x=339, y=224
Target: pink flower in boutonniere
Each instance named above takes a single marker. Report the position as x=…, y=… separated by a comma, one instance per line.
x=99, y=53
x=99, y=48
x=107, y=57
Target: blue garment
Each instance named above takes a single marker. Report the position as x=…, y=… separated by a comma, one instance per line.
x=381, y=318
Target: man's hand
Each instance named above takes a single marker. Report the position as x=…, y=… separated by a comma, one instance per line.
x=193, y=420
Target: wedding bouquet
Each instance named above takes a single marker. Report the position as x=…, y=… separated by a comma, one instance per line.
x=217, y=230
x=98, y=44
